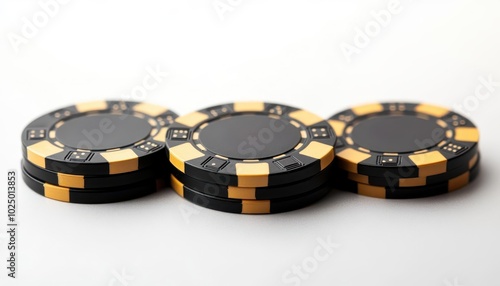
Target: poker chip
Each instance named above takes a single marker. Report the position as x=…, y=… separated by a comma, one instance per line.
x=97, y=152
x=403, y=150
x=450, y=185
x=248, y=206
x=392, y=181
x=247, y=157
x=92, y=182
x=92, y=196
x=98, y=138
x=407, y=140
x=250, y=144
x=259, y=193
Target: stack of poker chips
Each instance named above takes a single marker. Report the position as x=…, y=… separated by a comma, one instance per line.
x=97, y=152
x=251, y=157
x=404, y=150
x=248, y=157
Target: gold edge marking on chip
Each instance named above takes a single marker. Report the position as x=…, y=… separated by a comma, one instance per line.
x=221, y=157
x=52, y=134
x=121, y=161
x=423, y=116
x=279, y=156
x=473, y=161
x=91, y=106
x=442, y=143
x=274, y=116
x=135, y=144
x=241, y=193
x=303, y=134
x=138, y=115
x=467, y=134
x=182, y=153
x=37, y=152
x=149, y=109
x=153, y=132
x=192, y=119
x=449, y=133
x=367, y=109
x=349, y=129
x=349, y=159
x=363, y=150
x=358, y=178
x=177, y=185
x=56, y=192
x=441, y=123
x=320, y=151
x=307, y=118
x=59, y=144
x=252, y=174
x=201, y=147
x=248, y=106
x=298, y=146
x=412, y=182
x=390, y=154
x=349, y=141
x=256, y=207
x=196, y=135
x=429, y=163
x=372, y=191
x=337, y=126
x=295, y=123
x=58, y=124
x=73, y=181
x=152, y=122
x=458, y=182
x=160, y=136
x=433, y=110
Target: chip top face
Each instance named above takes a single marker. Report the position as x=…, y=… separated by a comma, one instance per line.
x=410, y=140
x=250, y=144
x=249, y=137
x=98, y=138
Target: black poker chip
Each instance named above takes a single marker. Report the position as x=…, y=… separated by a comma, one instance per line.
x=250, y=144
x=98, y=138
x=93, y=182
x=451, y=185
x=249, y=206
x=392, y=181
x=92, y=196
x=259, y=193
x=408, y=140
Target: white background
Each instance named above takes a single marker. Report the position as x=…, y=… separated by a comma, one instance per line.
x=283, y=51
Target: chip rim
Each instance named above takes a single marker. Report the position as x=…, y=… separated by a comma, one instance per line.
x=256, y=193
x=104, y=196
x=380, y=192
x=250, y=207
